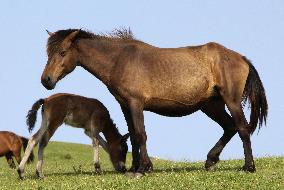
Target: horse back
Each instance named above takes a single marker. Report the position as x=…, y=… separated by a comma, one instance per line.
x=172, y=74
x=73, y=109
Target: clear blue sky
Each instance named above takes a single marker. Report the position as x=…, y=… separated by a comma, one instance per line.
x=253, y=28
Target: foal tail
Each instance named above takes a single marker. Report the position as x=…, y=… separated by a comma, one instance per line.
x=25, y=144
x=31, y=117
x=255, y=93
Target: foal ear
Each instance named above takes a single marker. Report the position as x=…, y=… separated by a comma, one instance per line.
x=125, y=137
x=69, y=39
x=50, y=33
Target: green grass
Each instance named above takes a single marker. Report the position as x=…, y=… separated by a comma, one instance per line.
x=69, y=166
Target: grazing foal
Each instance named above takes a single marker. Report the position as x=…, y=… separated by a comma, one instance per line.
x=11, y=145
x=80, y=112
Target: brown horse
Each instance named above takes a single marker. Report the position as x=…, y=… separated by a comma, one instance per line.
x=80, y=112
x=168, y=81
x=11, y=145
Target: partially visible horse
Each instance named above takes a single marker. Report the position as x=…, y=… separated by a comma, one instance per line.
x=11, y=145
x=169, y=81
x=80, y=112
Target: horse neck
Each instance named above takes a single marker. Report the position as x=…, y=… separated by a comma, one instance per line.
x=98, y=56
x=111, y=132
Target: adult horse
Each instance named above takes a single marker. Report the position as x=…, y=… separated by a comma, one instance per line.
x=167, y=81
x=11, y=145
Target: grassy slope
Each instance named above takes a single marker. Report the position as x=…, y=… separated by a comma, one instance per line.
x=62, y=158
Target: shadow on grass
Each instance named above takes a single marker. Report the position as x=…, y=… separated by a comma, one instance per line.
x=157, y=171
x=196, y=169
x=57, y=174
x=90, y=173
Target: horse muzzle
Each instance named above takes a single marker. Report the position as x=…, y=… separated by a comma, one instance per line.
x=48, y=83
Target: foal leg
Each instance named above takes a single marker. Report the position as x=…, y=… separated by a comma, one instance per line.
x=216, y=111
x=32, y=142
x=42, y=144
x=10, y=160
x=95, y=143
x=135, y=147
x=96, y=156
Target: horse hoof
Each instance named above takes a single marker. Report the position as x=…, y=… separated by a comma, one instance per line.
x=39, y=175
x=250, y=168
x=98, y=171
x=20, y=173
x=210, y=168
x=210, y=164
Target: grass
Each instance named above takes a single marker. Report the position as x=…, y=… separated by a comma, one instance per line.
x=69, y=166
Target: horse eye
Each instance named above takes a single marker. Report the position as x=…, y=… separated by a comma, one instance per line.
x=62, y=53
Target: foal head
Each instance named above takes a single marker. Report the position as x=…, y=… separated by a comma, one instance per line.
x=62, y=57
x=118, y=150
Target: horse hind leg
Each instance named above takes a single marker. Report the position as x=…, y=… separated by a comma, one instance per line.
x=42, y=144
x=17, y=155
x=231, y=75
x=32, y=142
x=233, y=100
x=10, y=160
x=216, y=111
x=243, y=131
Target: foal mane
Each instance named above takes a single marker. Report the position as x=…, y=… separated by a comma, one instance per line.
x=57, y=38
x=115, y=128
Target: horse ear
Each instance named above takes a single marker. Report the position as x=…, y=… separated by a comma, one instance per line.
x=50, y=33
x=125, y=137
x=69, y=39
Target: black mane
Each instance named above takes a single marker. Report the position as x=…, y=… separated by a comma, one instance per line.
x=57, y=38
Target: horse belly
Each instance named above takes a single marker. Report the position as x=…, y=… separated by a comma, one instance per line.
x=73, y=121
x=172, y=108
x=179, y=99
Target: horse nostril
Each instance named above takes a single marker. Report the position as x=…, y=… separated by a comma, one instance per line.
x=48, y=79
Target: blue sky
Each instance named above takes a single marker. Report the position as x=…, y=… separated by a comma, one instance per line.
x=253, y=28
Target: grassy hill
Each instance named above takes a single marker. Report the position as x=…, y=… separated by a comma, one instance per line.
x=69, y=166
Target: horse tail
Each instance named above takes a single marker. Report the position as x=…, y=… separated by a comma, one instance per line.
x=255, y=93
x=25, y=144
x=31, y=117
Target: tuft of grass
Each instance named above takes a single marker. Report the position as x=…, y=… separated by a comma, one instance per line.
x=70, y=166
x=67, y=156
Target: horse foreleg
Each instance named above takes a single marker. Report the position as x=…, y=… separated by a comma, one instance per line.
x=136, y=109
x=95, y=142
x=10, y=160
x=96, y=156
x=134, y=144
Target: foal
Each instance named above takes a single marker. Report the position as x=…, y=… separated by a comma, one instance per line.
x=11, y=145
x=80, y=112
